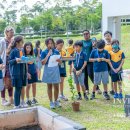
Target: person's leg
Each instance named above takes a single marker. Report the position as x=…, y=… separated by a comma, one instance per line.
x=115, y=87
x=4, y=102
x=105, y=93
x=39, y=74
x=62, y=85
x=27, y=91
x=34, y=90
x=23, y=94
x=49, y=91
x=56, y=91
x=86, y=79
x=17, y=95
x=10, y=92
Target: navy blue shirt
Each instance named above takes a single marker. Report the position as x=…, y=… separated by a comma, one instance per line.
x=36, y=52
x=80, y=58
x=32, y=68
x=45, y=52
x=1, y=62
x=87, y=48
x=16, y=70
x=100, y=66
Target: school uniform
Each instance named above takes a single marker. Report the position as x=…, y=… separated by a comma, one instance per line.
x=18, y=74
x=116, y=59
x=33, y=72
x=78, y=62
x=1, y=77
x=51, y=75
x=100, y=68
x=38, y=62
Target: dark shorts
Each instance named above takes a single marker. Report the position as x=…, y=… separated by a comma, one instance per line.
x=17, y=82
x=63, y=75
x=34, y=78
x=116, y=77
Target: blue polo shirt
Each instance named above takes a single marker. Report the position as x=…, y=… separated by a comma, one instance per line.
x=116, y=59
x=79, y=60
x=100, y=66
x=1, y=62
x=87, y=48
x=46, y=51
x=36, y=52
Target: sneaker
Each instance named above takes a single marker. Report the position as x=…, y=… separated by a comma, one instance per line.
x=86, y=97
x=79, y=97
x=62, y=97
x=92, y=97
x=112, y=92
x=99, y=91
x=5, y=103
x=52, y=105
x=87, y=92
x=115, y=95
x=120, y=96
x=23, y=104
x=57, y=104
x=34, y=101
x=28, y=102
x=17, y=107
x=39, y=81
x=106, y=96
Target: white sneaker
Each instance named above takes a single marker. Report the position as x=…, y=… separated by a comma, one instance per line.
x=17, y=107
x=23, y=104
x=57, y=104
x=62, y=97
x=5, y=103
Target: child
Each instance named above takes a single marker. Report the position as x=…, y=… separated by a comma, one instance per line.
x=51, y=75
x=32, y=75
x=1, y=76
x=108, y=47
x=117, y=59
x=37, y=52
x=62, y=67
x=78, y=69
x=17, y=70
x=101, y=58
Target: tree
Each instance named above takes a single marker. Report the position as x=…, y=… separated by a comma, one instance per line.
x=2, y=25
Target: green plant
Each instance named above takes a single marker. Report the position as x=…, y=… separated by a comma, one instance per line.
x=72, y=89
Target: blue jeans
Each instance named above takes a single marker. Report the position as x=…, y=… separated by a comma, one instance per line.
x=17, y=95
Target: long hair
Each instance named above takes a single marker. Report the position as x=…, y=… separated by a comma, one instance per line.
x=16, y=40
x=50, y=39
x=28, y=44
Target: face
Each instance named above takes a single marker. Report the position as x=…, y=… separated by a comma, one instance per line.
x=108, y=37
x=60, y=46
x=115, y=46
x=86, y=35
x=20, y=44
x=50, y=44
x=28, y=49
x=100, y=50
x=77, y=48
x=10, y=34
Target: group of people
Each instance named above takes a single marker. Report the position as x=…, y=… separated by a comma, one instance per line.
x=96, y=59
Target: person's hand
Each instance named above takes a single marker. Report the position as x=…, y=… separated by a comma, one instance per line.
x=49, y=53
x=38, y=49
x=78, y=72
x=2, y=67
x=59, y=60
x=74, y=70
x=99, y=59
x=29, y=76
x=18, y=60
x=117, y=70
x=103, y=59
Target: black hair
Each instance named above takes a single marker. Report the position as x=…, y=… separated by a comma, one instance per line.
x=37, y=44
x=108, y=32
x=59, y=41
x=100, y=44
x=86, y=31
x=28, y=44
x=78, y=43
x=47, y=41
x=70, y=41
x=16, y=40
x=115, y=41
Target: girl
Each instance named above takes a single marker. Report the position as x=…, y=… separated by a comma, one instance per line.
x=37, y=52
x=17, y=70
x=32, y=74
x=62, y=67
x=51, y=75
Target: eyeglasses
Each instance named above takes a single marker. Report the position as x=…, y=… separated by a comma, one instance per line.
x=86, y=34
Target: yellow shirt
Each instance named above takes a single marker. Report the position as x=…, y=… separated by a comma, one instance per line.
x=63, y=53
x=108, y=47
x=70, y=50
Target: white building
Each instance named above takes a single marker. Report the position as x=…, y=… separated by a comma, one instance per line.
x=113, y=12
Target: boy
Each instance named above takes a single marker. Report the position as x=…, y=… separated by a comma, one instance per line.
x=117, y=59
x=78, y=69
x=101, y=58
x=108, y=47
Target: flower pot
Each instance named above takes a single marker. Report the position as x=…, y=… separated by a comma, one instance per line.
x=75, y=106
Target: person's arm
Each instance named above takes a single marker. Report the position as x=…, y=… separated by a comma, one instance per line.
x=1, y=47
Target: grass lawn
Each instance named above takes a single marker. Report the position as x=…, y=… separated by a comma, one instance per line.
x=98, y=114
